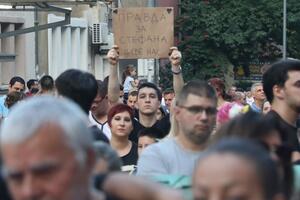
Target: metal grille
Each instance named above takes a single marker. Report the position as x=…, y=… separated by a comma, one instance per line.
x=99, y=33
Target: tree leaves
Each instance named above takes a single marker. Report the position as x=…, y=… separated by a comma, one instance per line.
x=218, y=33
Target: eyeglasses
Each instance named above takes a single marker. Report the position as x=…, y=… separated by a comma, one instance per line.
x=199, y=109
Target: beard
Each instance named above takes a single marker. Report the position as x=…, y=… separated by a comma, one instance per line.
x=198, y=138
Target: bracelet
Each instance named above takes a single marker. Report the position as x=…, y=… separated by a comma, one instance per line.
x=178, y=72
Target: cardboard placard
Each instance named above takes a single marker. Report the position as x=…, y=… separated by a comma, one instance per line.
x=144, y=32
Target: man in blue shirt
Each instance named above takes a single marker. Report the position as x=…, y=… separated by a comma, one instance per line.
x=258, y=96
x=16, y=84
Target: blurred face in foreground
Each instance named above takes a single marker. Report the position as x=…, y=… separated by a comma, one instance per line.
x=45, y=167
x=236, y=178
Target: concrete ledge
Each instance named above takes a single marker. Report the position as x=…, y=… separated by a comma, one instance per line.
x=12, y=20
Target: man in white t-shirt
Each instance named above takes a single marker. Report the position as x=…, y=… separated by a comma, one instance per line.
x=99, y=109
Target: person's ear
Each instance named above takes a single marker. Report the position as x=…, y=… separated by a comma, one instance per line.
x=278, y=92
x=176, y=112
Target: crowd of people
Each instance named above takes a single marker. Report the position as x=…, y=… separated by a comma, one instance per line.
x=76, y=137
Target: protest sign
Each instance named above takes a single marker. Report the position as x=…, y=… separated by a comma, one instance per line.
x=143, y=32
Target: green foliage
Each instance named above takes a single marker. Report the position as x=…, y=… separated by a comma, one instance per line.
x=244, y=85
x=216, y=33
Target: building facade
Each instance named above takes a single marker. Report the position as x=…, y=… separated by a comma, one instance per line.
x=54, y=50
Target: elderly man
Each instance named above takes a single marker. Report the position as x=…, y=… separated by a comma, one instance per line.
x=258, y=96
x=49, y=156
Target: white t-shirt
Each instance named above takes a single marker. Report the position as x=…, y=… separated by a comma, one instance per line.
x=127, y=84
x=103, y=127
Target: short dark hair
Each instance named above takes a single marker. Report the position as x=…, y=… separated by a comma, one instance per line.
x=102, y=88
x=277, y=74
x=153, y=86
x=265, y=167
x=254, y=125
x=15, y=79
x=196, y=87
x=30, y=83
x=168, y=91
x=133, y=93
x=47, y=82
x=78, y=86
x=151, y=132
x=119, y=108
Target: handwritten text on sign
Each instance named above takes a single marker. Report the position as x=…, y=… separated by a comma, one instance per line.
x=144, y=32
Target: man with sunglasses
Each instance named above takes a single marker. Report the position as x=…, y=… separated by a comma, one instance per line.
x=194, y=119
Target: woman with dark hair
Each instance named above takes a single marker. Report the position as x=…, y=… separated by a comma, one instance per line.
x=258, y=128
x=120, y=120
x=250, y=125
x=246, y=172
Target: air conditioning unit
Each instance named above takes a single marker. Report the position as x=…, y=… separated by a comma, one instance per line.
x=100, y=33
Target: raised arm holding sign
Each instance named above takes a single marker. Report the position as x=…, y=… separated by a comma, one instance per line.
x=175, y=60
x=113, y=83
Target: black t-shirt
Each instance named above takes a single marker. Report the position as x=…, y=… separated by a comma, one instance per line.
x=287, y=132
x=132, y=157
x=163, y=125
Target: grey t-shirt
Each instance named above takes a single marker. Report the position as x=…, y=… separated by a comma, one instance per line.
x=167, y=157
